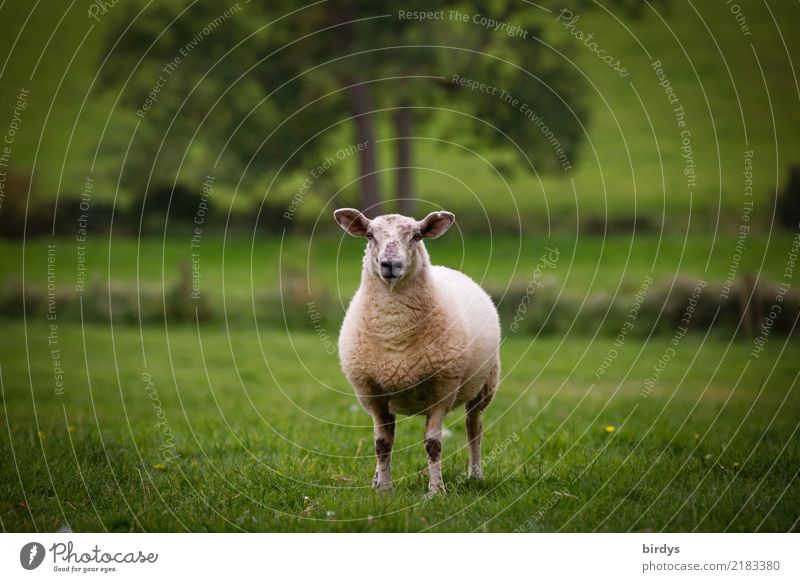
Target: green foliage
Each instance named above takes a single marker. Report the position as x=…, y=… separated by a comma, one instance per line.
x=272, y=76
x=706, y=68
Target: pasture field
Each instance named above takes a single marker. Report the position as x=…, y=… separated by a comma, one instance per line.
x=214, y=429
x=331, y=261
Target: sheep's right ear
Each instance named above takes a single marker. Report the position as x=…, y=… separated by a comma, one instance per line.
x=352, y=221
x=436, y=224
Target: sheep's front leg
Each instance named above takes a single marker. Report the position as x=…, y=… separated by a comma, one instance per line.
x=433, y=447
x=383, y=422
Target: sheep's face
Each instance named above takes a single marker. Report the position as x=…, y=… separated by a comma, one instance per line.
x=394, y=247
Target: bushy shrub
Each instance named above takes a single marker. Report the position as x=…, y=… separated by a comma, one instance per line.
x=524, y=310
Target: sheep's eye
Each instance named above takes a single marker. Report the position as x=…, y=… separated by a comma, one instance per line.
x=417, y=236
x=370, y=236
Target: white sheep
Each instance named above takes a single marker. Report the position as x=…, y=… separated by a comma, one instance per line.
x=417, y=338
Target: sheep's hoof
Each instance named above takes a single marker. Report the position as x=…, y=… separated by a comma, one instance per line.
x=436, y=488
x=476, y=473
x=385, y=487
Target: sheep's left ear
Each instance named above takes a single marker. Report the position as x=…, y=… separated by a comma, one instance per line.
x=436, y=224
x=352, y=221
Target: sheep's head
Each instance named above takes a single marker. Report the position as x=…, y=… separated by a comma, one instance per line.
x=394, y=242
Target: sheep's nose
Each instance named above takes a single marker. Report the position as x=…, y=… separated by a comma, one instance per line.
x=391, y=268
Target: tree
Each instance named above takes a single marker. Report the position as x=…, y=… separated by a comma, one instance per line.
x=788, y=203
x=286, y=73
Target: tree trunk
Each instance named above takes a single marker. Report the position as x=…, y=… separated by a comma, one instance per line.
x=402, y=128
x=360, y=108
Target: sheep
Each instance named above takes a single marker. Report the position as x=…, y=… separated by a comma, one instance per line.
x=417, y=339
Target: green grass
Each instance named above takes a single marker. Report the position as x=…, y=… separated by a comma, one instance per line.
x=270, y=438
x=332, y=261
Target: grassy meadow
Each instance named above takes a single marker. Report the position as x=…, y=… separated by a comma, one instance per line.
x=268, y=437
x=264, y=434
x=236, y=270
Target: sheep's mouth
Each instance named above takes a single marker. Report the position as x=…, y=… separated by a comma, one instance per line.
x=391, y=280
x=391, y=276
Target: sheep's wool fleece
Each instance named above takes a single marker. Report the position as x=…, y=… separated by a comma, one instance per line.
x=433, y=341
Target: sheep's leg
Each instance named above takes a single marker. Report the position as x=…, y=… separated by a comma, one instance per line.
x=383, y=422
x=475, y=408
x=474, y=438
x=433, y=447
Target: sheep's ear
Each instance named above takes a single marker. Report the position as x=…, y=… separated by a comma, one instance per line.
x=352, y=221
x=436, y=224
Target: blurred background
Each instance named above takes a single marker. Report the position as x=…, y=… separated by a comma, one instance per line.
x=503, y=113
x=168, y=175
